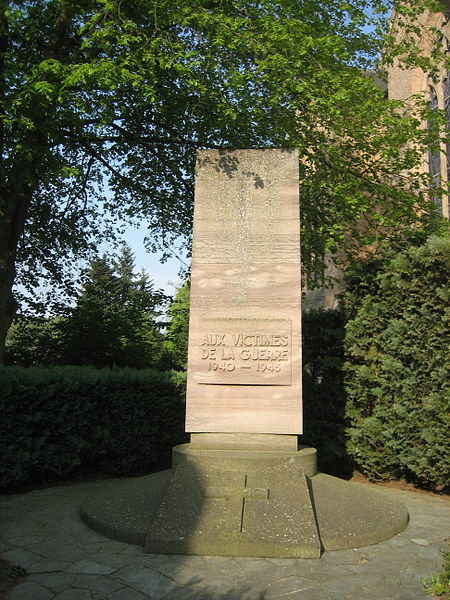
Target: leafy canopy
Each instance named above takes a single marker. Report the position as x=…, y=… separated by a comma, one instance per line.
x=104, y=102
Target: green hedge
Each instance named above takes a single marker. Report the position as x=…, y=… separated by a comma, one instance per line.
x=398, y=385
x=61, y=419
x=323, y=388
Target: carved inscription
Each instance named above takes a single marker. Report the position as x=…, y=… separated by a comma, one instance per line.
x=240, y=352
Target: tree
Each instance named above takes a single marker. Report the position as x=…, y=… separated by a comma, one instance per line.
x=104, y=102
x=139, y=307
x=34, y=341
x=114, y=321
x=91, y=334
x=177, y=332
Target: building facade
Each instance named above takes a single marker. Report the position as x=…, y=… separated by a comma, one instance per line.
x=407, y=85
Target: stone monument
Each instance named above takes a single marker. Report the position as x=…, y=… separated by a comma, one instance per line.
x=243, y=407
x=244, y=365
x=242, y=486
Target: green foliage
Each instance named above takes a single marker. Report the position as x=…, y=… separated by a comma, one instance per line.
x=323, y=389
x=92, y=333
x=438, y=584
x=34, y=341
x=114, y=323
x=59, y=420
x=177, y=331
x=115, y=97
x=397, y=345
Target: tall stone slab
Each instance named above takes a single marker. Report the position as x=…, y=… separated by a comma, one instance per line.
x=242, y=486
x=244, y=364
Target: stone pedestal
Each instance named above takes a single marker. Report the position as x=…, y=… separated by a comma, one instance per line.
x=244, y=441
x=232, y=502
x=244, y=503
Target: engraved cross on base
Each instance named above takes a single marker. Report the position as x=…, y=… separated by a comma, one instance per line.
x=236, y=498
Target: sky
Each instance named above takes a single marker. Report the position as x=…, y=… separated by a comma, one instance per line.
x=165, y=275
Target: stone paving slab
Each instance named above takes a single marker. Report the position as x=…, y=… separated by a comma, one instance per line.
x=41, y=531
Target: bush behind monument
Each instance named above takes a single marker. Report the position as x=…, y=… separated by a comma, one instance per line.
x=397, y=347
x=61, y=420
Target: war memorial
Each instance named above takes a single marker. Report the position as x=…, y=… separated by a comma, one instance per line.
x=243, y=486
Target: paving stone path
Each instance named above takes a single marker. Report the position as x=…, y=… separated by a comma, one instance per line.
x=65, y=560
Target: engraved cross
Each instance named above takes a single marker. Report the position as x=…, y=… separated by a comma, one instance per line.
x=237, y=497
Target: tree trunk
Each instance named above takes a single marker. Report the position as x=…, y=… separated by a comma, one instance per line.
x=14, y=208
x=20, y=180
x=7, y=305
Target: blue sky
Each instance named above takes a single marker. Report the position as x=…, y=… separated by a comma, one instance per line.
x=164, y=275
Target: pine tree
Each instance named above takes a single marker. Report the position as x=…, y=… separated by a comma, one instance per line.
x=115, y=320
x=178, y=327
x=91, y=330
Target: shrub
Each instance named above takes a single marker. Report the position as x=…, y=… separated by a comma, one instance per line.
x=34, y=341
x=397, y=369
x=57, y=420
x=323, y=389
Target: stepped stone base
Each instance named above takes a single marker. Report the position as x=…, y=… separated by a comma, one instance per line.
x=244, y=503
x=237, y=503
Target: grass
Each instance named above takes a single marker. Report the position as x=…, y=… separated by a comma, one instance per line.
x=437, y=585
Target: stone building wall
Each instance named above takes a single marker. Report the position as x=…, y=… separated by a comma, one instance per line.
x=404, y=84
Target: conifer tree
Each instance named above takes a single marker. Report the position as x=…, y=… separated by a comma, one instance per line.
x=115, y=320
x=91, y=330
x=178, y=327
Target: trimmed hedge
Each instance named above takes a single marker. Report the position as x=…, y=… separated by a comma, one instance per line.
x=61, y=419
x=398, y=369
x=323, y=388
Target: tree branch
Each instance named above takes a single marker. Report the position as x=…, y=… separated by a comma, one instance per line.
x=130, y=137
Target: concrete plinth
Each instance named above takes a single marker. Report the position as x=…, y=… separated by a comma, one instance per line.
x=244, y=503
x=237, y=503
x=242, y=458
x=244, y=441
